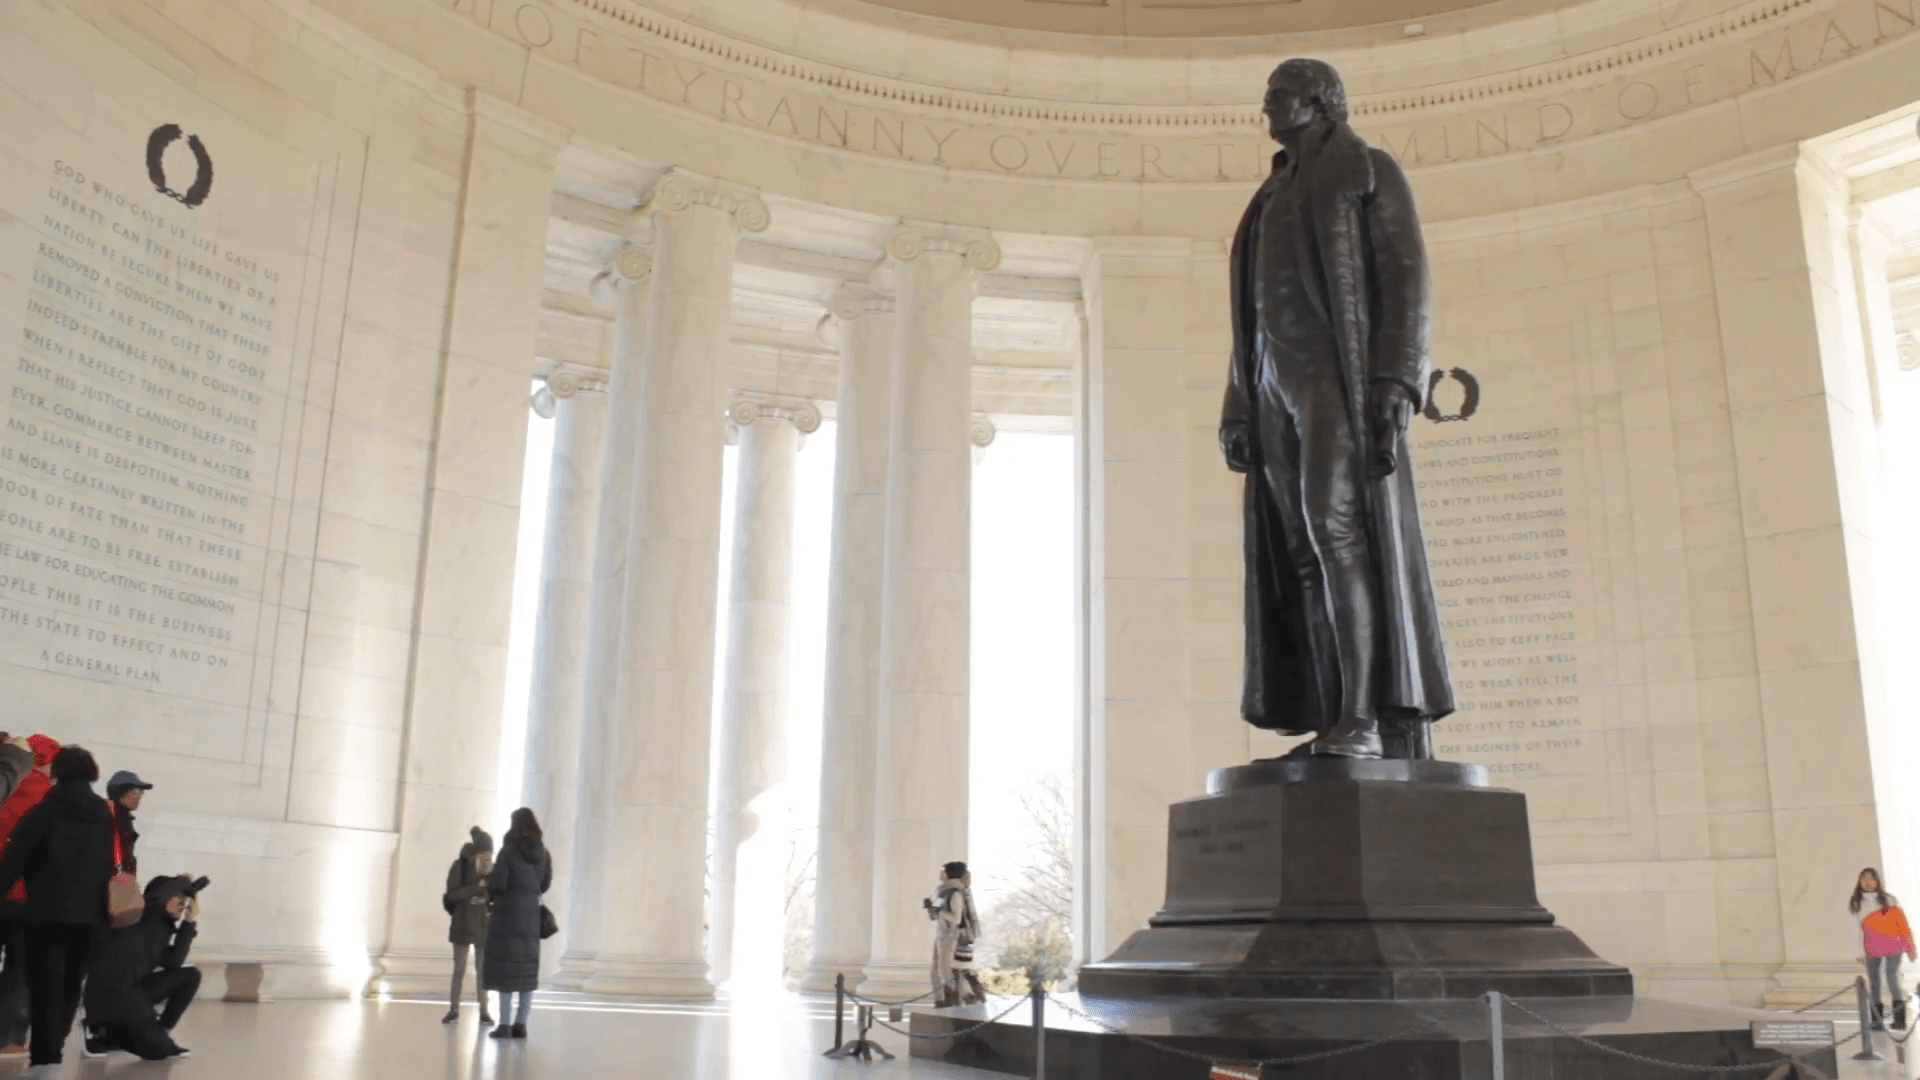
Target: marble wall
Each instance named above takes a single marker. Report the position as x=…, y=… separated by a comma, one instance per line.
x=264, y=437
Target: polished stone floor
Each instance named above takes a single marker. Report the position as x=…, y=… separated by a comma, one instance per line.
x=572, y=1037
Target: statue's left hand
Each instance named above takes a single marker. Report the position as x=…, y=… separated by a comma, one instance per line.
x=1391, y=406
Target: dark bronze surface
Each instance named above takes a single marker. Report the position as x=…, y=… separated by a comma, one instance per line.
x=1330, y=364
x=1326, y=878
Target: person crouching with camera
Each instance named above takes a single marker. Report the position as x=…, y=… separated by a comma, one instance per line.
x=141, y=967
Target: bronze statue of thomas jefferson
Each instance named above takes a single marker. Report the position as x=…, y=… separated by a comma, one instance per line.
x=1330, y=339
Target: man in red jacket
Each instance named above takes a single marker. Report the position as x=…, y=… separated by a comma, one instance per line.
x=13, y=914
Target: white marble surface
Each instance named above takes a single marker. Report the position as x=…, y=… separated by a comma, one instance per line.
x=843, y=884
x=556, y=711
x=602, y=696
x=752, y=743
x=450, y=757
x=920, y=791
x=653, y=813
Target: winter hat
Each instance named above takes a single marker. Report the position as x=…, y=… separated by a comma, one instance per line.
x=482, y=843
x=166, y=887
x=43, y=749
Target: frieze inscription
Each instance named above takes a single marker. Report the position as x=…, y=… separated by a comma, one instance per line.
x=826, y=107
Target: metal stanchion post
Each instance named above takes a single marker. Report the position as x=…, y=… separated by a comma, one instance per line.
x=1039, y=1025
x=1496, y=1035
x=1867, y=1052
x=839, y=1011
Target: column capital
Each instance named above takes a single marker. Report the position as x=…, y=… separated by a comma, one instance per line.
x=627, y=266
x=679, y=190
x=751, y=408
x=982, y=430
x=909, y=240
x=858, y=299
x=566, y=381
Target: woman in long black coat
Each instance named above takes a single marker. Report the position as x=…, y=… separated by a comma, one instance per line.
x=521, y=873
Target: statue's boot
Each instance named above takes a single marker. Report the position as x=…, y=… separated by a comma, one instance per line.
x=1350, y=738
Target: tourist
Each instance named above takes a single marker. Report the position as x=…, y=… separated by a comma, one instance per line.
x=16, y=761
x=956, y=928
x=521, y=873
x=466, y=904
x=143, y=966
x=124, y=791
x=13, y=907
x=63, y=849
x=1885, y=936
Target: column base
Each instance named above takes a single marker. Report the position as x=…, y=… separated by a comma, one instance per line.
x=895, y=980
x=410, y=973
x=573, y=972
x=676, y=979
x=1795, y=985
x=819, y=976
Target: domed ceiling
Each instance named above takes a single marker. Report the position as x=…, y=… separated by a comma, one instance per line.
x=1197, y=18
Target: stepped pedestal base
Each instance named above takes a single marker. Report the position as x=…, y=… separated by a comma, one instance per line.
x=1357, y=880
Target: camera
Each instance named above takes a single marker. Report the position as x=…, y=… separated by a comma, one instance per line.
x=194, y=888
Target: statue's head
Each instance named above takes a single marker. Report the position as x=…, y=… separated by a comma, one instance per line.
x=1303, y=91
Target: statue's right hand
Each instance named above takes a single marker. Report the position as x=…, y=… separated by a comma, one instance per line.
x=1236, y=442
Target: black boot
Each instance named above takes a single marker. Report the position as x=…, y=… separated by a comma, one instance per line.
x=452, y=1017
x=501, y=1032
x=1879, y=1017
x=1900, y=1014
x=519, y=1031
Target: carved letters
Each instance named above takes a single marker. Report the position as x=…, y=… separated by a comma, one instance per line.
x=816, y=109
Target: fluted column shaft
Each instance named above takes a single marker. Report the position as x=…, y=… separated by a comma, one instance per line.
x=753, y=706
x=843, y=881
x=921, y=790
x=555, y=714
x=625, y=288
x=653, y=849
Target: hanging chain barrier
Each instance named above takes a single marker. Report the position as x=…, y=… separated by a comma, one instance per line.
x=957, y=1032
x=864, y=1000
x=1496, y=1004
x=1842, y=992
x=1685, y=1066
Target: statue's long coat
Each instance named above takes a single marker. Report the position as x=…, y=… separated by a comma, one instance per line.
x=1373, y=298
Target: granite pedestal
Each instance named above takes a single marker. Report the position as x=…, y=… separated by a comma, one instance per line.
x=1320, y=904
x=1366, y=880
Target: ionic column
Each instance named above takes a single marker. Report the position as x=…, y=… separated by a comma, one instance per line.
x=843, y=879
x=576, y=399
x=753, y=708
x=652, y=852
x=623, y=286
x=920, y=813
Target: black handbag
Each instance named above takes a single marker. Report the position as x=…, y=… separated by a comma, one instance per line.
x=549, y=926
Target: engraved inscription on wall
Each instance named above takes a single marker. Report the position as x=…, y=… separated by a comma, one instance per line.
x=1499, y=504
x=144, y=408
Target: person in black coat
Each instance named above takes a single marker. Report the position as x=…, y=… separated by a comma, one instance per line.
x=141, y=966
x=521, y=873
x=63, y=848
x=466, y=904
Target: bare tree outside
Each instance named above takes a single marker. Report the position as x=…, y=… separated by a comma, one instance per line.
x=797, y=943
x=1029, y=919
